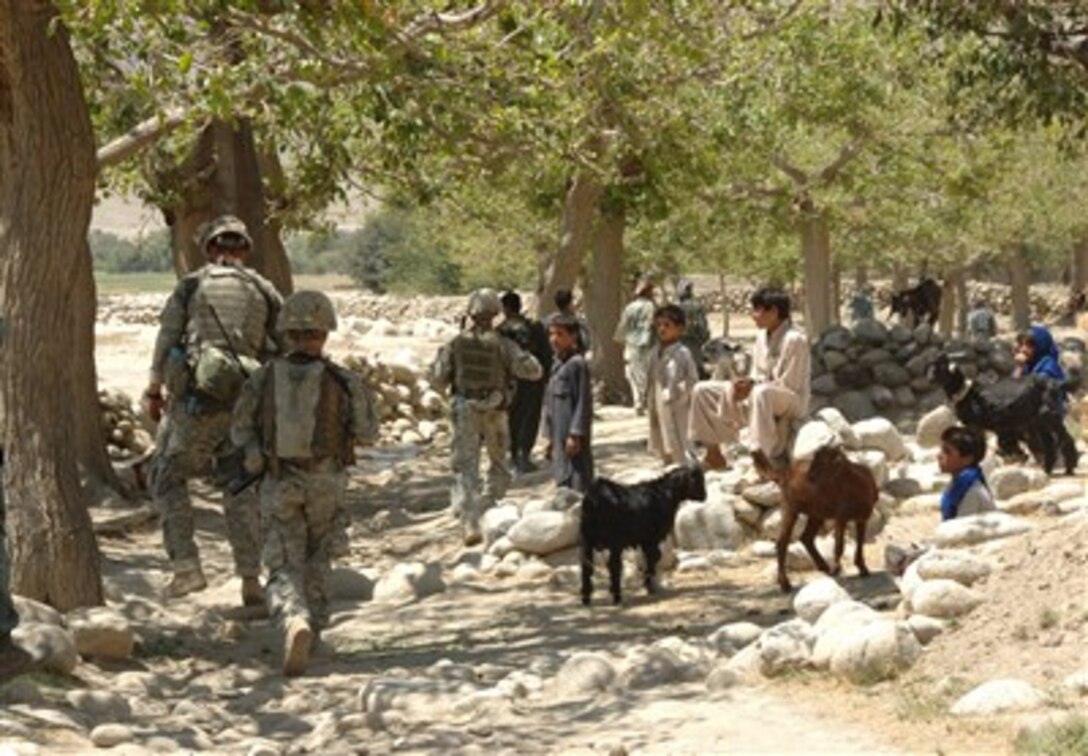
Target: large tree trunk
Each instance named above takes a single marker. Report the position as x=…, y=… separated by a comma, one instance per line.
x=47, y=177
x=900, y=279
x=1020, y=278
x=725, y=304
x=1078, y=279
x=605, y=305
x=222, y=174
x=861, y=277
x=947, y=317
x=816, y=253
x=836, y=294
x=579, y=212
x=963, y=306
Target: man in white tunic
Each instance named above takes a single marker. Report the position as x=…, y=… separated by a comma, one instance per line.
x=671, y=377
x=776, y=394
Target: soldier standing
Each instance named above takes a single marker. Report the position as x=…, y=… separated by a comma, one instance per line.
x=524, y=413
x=216, y=328
x=479, y=366
x=696, y=329
x=297, y=420
x=636, y=333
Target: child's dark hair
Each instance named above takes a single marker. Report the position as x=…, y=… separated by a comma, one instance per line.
x=1026, y=337
x=672, y=313
x=767, y=297
x=967, y=441
x=568, y=323
x=511, y=300
x=563, y=298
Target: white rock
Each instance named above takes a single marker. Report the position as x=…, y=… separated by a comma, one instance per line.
x=746, y=663
x=100, y=704
x=101, y=632
x=772, y=526
x=34, y=611
x=655, y=666
x=875, y=460
x=497, y=521
x=841, y=426
x=51, y=646
x=500, y=548
x=925, y=628
x=952, y=565
x=878, y=651
x=747, y=513
x=709, y=525
x=813, y=436
x=944, y=599
x=1006, y=482
x=933, y=424
x=967, y=531
x=910, y=582
x=409, y=581
x=585, y=674
x=839, y=621
x=998, y=696
x=1065, y=491
x=1077, y=682
x=786, y=647
x=766, y=494
x=879, y=433
x=722, y=678
x=110, y=735
x=544, y=532
x=729, y=639
x=811, y=601
x=417, y=696
x=565, y=499
x=921, y=504
x=534, y=570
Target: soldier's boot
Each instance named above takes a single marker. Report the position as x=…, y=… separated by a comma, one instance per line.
x=297, y=641
x=252, y=592
x=14, y=661
x=188, y=578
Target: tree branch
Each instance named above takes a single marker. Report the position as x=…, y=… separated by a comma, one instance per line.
x=849, y=151
x=143, y=135
x=796, y=174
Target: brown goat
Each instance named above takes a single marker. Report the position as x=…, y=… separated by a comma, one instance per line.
x=827, y=487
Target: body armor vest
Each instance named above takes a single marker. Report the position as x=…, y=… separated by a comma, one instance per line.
x=306, y=413
x=477, y=364
x=240, y=305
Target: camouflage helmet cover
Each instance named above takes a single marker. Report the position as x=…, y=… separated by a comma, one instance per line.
x=224, y=224
x=484, y=302
x=307, y=311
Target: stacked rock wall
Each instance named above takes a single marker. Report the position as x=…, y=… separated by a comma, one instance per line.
x=410, y=410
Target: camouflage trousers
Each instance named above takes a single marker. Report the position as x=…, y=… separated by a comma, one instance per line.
x=8, y=616
x=193, y=446
x=300, y=510
x=474, y=428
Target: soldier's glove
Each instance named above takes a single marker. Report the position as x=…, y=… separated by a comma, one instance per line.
x=253, y=462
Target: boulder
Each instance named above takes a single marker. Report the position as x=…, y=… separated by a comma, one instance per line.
x=925, y=628
x=100, y=704
x=930, y=502
x=836, y=338
x=855, y=405
x=585, y=674
x=841, y=620
x=543, y=533
x=49, y=645
x=655, y=666
x=879, y=433
x=923, y=333
x=565, y=499
x=409, y=581
x=834, y=359
x=933, y=424
x=351, y=584
x=110, y=735
x=964, y=568
x=811, y=601
x=878, y=651
x=766, y=494
x=905, y=398
x=876, y=462
x=731, y=638
x=747, y=513
x=1006, y=482
x=874, y=357
x=903, y=488
x=785, y=647
x=497, y=521
x=967, y=531
x=944, y=599
x=702, y=526
x=899, y=334
x=997, y=696
x=919, y=363
x=721, y=677
x=101, y=632
x=814, y=435
x=881, y=397
x=891, y=375
x=854, y=375
x=30, y=610
x=871, y=331
x=840, y=425
x=824, y=385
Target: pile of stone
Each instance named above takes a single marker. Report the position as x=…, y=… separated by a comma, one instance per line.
x=872, y=369
x=126, y=437
x=410, y=410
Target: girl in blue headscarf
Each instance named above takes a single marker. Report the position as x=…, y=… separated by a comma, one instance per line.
x=1037, y=354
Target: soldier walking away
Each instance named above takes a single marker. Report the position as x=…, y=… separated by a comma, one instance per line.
x=697, y=329
x=297, y=421
x=13, y=660
x=217, y=327
x=479, y=366
x=861, y=305
x=524, y=413
x=564, y=305
x=636, y=333
x=981, y=323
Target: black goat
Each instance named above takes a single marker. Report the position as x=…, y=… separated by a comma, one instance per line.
x=922, y=301
x=617, y=517
x=1025, y=409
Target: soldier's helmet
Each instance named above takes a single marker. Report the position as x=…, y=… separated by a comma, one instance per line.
x=307, y=311
x=484, y=303
x=228, y=232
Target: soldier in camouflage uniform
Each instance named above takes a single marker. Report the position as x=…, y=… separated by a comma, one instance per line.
x=636, y=332
x=528, y=400
x=696, y=328
x=479, y=367
x=297, y=420
x=216, y=328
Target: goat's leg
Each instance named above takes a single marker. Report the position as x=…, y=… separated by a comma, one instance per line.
x=1050, y=449
x=859, y=553
x=587, y=572
x=789, y=518
x=651, y=551
x=1069, y=449
x=840, y=545
x=808, y=538
x=615, y=573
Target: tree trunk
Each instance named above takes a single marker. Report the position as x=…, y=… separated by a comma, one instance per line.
x=861, y=277
x=963, y=306
x=222, y=174
x=1020, y=278
x=1078, y=279
x=816, y=253
x=725, y=305
x=947, y=316
x=836, y=294
x=579, y=212
x=47, y=178
x=900, y=280
x=604, y=307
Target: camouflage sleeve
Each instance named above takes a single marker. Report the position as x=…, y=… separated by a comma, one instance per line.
x=521, y=364
x=364, y=408
x=171, y=329
x=245, y=425
x=274, y=300
x=441, y=372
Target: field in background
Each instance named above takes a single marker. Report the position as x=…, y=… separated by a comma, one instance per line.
x=161, y=283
